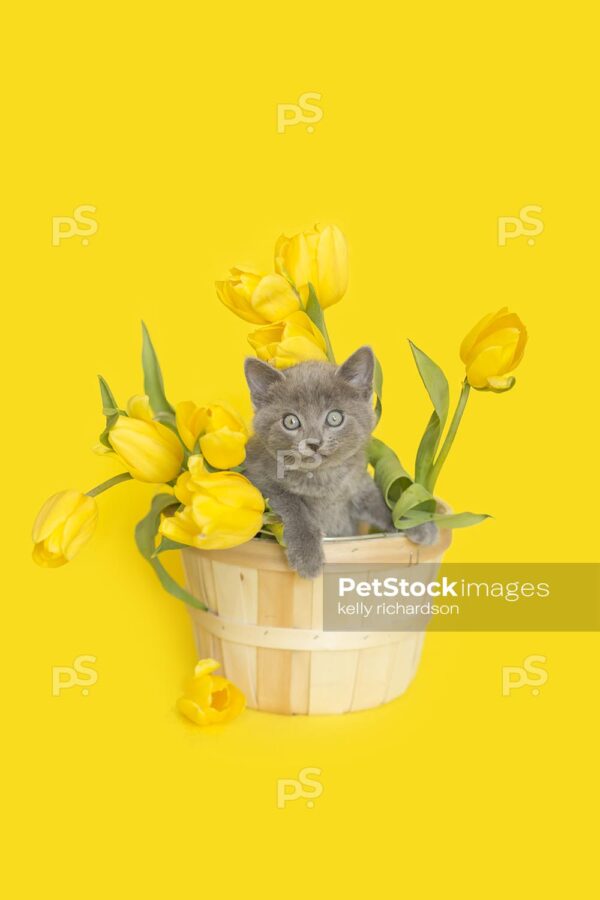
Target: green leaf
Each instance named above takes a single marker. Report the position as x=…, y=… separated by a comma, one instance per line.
x=146, y=530
x=167, y=544
x=390, y=475
x=272, y=524
x=435, y=382
x=314, y=309
x=153, y=380
x=427, y=449
x=378, y=388
x=436, y=385
x=271, y=518
x=414, y=497
x=315, y=313
x=449, y=520
x=145, y=535
x=166, y=418
x=110, y=409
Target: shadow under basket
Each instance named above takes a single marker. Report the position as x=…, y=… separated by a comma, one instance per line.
x=265, y=626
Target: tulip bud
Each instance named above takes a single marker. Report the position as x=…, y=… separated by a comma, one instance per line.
x=63, y=525
x=209, y=698
x=258, y=298
x=219, y=430
x=149, y=450
x=319, y=256
x=294, y=340
x=493, y=348
x=221, y=509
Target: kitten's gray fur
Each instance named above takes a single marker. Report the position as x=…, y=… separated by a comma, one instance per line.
x=315, y=477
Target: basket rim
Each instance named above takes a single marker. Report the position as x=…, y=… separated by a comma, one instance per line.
x=378, y=535
x=260, y=552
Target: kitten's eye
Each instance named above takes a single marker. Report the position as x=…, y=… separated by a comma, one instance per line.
x=291, y=422
x=335, y=418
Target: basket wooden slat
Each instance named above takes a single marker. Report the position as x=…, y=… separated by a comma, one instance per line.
x=265, y=626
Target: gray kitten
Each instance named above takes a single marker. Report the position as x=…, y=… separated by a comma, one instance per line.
x=312, y=425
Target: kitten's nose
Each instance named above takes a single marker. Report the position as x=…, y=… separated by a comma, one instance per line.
x=313, y=444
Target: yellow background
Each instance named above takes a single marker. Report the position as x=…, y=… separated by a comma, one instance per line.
x=437, y=120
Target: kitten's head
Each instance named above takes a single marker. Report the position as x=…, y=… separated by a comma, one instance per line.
x=314, y=407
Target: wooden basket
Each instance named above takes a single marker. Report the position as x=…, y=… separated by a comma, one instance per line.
x=266, y=626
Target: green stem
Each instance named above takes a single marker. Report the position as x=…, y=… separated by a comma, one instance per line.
x=328, y=346
x=100, y=488
x=316, y=314
x=458, y=414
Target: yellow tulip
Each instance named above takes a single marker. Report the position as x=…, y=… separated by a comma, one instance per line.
x=210, y=699
x=149, y=450
x=191, y=422
x=221, y=431
x=318, y=256
x=258, y=298
x=294, y=340
x=221, y=509
x=492, y=349
x=63, y=525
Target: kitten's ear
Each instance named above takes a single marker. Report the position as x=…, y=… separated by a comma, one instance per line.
x=358, y=370
x=261, y=377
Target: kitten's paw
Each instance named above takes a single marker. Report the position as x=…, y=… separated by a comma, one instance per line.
x=427, y=533
x=306, y=556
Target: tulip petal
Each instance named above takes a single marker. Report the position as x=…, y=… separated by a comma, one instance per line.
x=300, y=324
x=231, y=489
x=483, y=366
x=234, y=299
x=210, y=699
x=494, y=347
x=197, y=468
x=520, y=348
x=224, y=540
x=500, y=320
x=205, y=667
x=222, y=415
x=138, y=407
x=181, y=527
x=297, y=349
x=501, y=385
x=332, y=265
x=264, y=338
x=45, y=559
x=223, y=509
x=191, y=421
x=274, y=298
x=466, y=348
x=193, y=711
x=272, y=343
x=224, y=448
x=297, y=260
x=63, y=525
x=183, y=488
x=223, y=534
x=150, y=451
x=53, y=513
x=79, y=527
